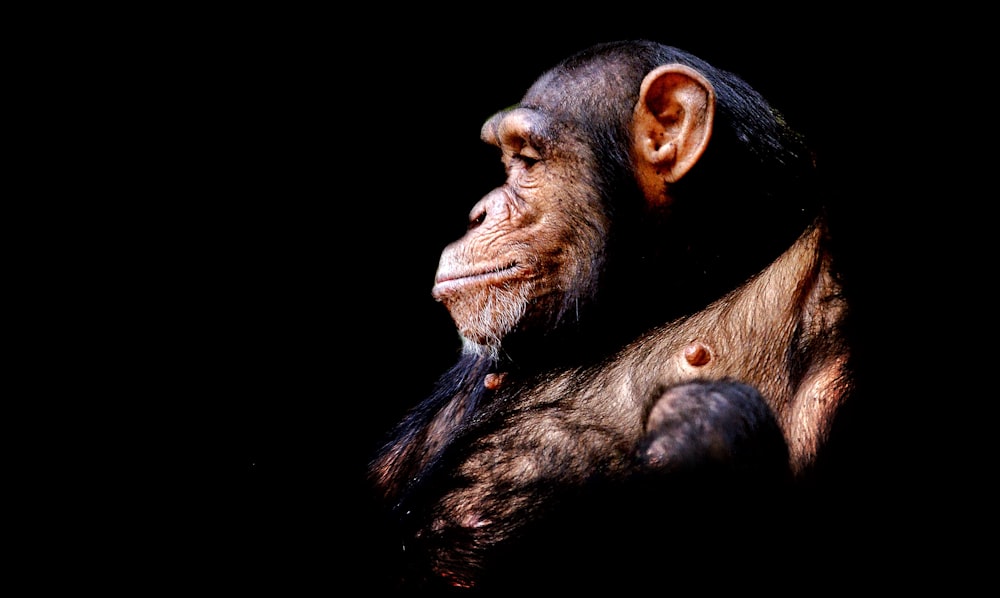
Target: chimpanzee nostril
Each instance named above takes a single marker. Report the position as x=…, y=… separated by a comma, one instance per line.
x=477, y=220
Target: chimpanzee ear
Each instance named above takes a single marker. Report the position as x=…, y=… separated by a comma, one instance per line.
x=672, y=124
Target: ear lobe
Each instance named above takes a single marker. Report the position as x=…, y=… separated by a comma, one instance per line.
x=672, y=124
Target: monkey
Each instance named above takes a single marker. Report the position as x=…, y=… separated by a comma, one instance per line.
x=650, y=313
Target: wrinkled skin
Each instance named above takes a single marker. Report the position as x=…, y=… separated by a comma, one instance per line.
x=521, y=265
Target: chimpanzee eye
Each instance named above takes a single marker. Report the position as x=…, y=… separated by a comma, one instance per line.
x=528, y=161
x=528, y=155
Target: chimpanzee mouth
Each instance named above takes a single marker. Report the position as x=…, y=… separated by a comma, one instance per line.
x=449, y=282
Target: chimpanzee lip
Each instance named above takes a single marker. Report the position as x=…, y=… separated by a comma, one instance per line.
x=450, y=281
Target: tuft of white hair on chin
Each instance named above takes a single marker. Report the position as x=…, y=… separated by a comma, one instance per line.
x=502, y=311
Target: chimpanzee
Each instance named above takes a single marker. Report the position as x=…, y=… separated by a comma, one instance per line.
x=653, y=347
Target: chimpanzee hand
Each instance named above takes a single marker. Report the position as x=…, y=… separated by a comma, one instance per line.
x=714, y=427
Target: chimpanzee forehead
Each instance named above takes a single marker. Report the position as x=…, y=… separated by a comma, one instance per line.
x=583, y=92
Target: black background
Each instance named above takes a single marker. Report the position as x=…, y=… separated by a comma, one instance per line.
x=319, y=164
